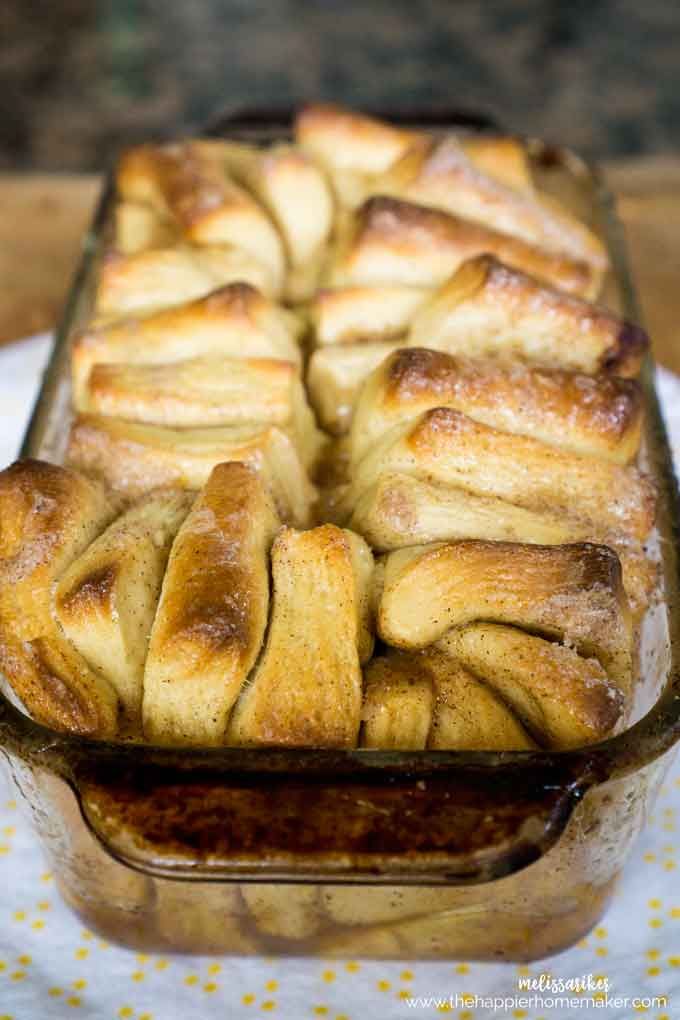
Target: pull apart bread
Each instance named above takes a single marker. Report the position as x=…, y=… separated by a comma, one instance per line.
x=486, y=182
x=133, y=459
x=147, y=281
x=202, y=572
x=307, y=687
x=276, y=205
x=489, y=309
x=546, y=628
x=212, y=612
x=234, y=320
x=187, y=185
x=598, y=416
x=486, y=309
x=354, y=148
x=48, y=517
x=156, y=619
x=388, y=240
x=445, y=447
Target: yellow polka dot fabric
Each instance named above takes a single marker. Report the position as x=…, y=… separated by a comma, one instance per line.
x=51, y=968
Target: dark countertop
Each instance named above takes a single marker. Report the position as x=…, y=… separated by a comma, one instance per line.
x=80, y=78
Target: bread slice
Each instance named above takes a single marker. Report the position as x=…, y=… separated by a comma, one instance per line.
x=355, y=148
x=106, y=600
x=351, y=147
x=597, y=416
x=570, y=592
x=563, y=699
x=212, y=612
x=441, y=174
x=232, y=321
x=297, y=196
x=398, y=702
x=335, y=377
x=48, y=517
x=444, y=446
x=492, y=309
x=188, y=183
x=399, y=510
x=147, y=281
x=133, y=459
x=388, y=241
x=347, y=315
x=306, y=689
x=137, y=227
x=208, y=391
x=502, y=157
x=429, y=700
x=468, y=714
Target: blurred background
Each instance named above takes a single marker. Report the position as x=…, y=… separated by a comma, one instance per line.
x=78, y=78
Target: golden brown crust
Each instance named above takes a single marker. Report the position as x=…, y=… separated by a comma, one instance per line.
x=429, y=700
x=198, y=391
x=390, y=241
x=133, y=459
x=440, y=174
x=166, y=277
x=350, y=146
x=468, y=715
x=598, y=416
x=399, y=510
x=321, y=584
x=489, y=308
x=212, y=612
x=295, y=193
x=48, y=515
x=570, y=592
x=186, y=182
x=138, y=227
x=445, y=446
x=398, y=702
x=207, y=391
x=347, y=315
x=107, y=599
x=641, y=573
x=502, y=157
x=335, y=376
x=235, y=320
x=564, y=700
x=346, y=139
x=354, y=148
x=137, y=175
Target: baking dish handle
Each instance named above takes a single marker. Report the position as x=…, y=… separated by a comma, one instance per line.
x=236, y=118
x=454, y=825
x=266, y=814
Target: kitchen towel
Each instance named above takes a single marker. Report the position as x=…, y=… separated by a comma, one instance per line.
x=53, y=969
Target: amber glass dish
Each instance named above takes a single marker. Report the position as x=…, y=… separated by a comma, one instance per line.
x=385, y=854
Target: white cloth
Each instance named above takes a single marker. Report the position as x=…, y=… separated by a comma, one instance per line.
x=21, y=368
x=51, y=969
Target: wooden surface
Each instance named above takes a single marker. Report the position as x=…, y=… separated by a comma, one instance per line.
x=42, y=219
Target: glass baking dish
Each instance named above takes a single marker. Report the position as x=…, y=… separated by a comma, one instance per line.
x=382, y=854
